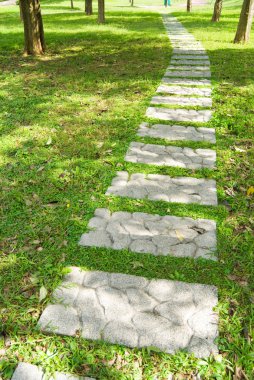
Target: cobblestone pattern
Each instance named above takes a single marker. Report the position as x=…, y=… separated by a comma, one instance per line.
x=173, y=156
x=182, y=101
x=188, y=68
x=26, y=371
x=162, y=187
x=135, y=312
x=181, y=90
x=189, y=82
x=188, y=74
x=201, y=116
x=154, y=234
x=177, y=132
x=190, y=62
x=189, y=56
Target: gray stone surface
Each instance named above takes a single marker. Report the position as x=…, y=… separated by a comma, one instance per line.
x=188, y=68
x=177, y=132
x=181, y=90
x=189, y=82
x=26, y=371
x=184, y=51
x=182, y=101
x=155, y=234
x=138, y=312
x=201, y=116
x=174, y=156
x=158, y=187
x=188, y=74
x=189, y=56
x=190, y=62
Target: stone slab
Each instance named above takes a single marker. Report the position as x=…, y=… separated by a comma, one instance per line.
x=136, y=312
x=26, y=371
x=189, y=82
x=182, y=101
x=189, y=68
x=158, y=187
x=172, y=156
x=181, y=90
x=184, y=51
x=201, y=116
x=158, y=235
x=177, y=132
x=190, y=57
x=188, y=74
x=190, y=62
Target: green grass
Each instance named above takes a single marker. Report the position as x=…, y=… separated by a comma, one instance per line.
x=66, y=122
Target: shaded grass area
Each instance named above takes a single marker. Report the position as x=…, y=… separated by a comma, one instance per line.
x=66, y=122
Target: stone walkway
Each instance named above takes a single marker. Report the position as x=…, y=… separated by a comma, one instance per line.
x=26, y=371
x=132, y=310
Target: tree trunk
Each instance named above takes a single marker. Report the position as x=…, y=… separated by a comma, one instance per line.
x=89, y=7
x=189, y=5
x=217, y=10
x=132, y=3
x=20, y=12
x=72, y=5
x=101, y=11
x=33, y=27
x=245, y=21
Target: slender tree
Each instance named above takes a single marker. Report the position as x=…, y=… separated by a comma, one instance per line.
x=132, y=2
x=89, y=7
x=72, y=5
x=217, y=10
x=101, y=11
x=33, y=27
x=189, y=5
x=245, y=21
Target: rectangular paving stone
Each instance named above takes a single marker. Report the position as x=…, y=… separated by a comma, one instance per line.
x=188, y=82
x=190, y=62
x=173, y=156
x=201, y=116
x=185, y=51
x=190, y=57
x=26, y=371
x=134, y=311
x=189, y=68
x=164, y=188
x=177, y=132
x=181, y=90
x=158, y=235
x=182, y=101
x=188, y=74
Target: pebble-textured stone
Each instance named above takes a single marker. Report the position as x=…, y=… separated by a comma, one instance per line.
x=189, y=62
x=155, y=234
x=26, y=371
x=189, y=82
x=137, y=312
x=184, y=51
x=171, y=156
x=158, y=187
x=180, y=90
x=182, y=101
x=189, y=56
x=177, y=132
x=188, y=68
x=201, y=116
x=188, y=74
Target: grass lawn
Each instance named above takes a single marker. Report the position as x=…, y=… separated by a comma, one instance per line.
x=66, y=122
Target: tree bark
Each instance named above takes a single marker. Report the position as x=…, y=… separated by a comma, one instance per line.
x=33, y=27
x=245, y=21
x=89, y=7
x=132, y=3
x=217, y=10
x=189, y=5
x=72, y=5
x=101, y=11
